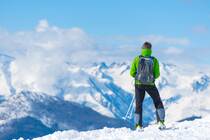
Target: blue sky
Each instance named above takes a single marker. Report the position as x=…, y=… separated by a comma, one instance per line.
x=109, y=17
x=116, y=21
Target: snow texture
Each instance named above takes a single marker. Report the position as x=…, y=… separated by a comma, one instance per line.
x=187, y=130
x=29, y=115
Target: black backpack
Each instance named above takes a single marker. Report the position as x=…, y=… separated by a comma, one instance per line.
x=145, y=71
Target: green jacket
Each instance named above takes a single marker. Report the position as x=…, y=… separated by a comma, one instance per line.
x=135, y=63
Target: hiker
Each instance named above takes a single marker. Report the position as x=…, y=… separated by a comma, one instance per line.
x=145, y=69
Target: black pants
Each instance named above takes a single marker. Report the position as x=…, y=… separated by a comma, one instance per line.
x=140, y=94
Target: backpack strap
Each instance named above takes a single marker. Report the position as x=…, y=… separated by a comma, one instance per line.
x=140, y=56
x=152, y=57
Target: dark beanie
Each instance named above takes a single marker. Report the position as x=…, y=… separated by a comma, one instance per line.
x=147, y=45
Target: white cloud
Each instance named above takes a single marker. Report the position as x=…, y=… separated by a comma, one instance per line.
x=41, y=54
x=173, y=51
x=159, y=39
x=153, y=38
x=42, y=25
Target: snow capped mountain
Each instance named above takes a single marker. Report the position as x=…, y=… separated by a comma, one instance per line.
x=201, y=84
x=44, y=114
x=111, y=88
x=99, y=93
x=94, y=87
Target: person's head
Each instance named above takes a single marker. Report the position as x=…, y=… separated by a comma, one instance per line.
x=147, y=45
x=146, y=49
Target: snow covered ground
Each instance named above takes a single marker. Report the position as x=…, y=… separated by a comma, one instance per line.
x=187, y=130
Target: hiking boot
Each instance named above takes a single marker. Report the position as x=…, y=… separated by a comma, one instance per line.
x=161, y=125
x=138, y=127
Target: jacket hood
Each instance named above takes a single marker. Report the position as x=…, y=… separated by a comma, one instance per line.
x=146, y=52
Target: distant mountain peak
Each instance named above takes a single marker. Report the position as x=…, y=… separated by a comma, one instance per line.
x=201, y=84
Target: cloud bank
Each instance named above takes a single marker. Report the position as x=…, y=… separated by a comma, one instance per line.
x=159, y=39
x=41, y=55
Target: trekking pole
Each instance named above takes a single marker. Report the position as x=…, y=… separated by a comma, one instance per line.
x=130, y=109
x=128, y=114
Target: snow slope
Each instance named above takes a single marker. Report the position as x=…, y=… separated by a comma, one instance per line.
x=44, y=114
x=187, y=130
x=179, y=87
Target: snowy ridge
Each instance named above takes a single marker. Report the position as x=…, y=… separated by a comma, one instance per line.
x=95, y=88
x=194, y=130
x=178, y=87
x=49, y=114
x=108, y=88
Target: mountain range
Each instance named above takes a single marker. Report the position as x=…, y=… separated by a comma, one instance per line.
x=95, y=96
